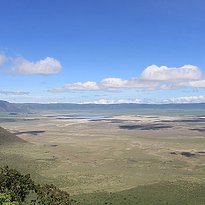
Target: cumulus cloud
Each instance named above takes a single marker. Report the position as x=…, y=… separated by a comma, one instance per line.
x=86, y=86
x=198, y=84
x=113, y=83
x=163, y=73
x=2, y=92
x=108, y=84
x=138, y=83
x=192, y=84
x=45, y=66
x=3, y=59
x=152, y=78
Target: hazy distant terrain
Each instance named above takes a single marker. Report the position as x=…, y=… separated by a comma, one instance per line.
x=126, y=155
x=96, y=108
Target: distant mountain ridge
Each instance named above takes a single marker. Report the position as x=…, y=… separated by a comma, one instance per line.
x=12, y=107
x=30, y=107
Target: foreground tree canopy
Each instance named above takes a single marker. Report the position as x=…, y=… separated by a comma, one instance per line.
x=16, y=188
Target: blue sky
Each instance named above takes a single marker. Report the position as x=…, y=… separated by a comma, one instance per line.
x=106, y=51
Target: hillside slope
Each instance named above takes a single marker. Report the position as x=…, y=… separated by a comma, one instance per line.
x=7, y=138
x=172, y=193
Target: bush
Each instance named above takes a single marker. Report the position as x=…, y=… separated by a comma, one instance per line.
x=51, y=195
x=15, y=187
x=5, y=199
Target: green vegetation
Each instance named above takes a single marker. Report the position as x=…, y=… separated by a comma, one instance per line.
x=98, y=166
x=5, y=199
x=15, y=189
x=8, y=138
x=18, y=189
x=17, y=186
x=162, y=193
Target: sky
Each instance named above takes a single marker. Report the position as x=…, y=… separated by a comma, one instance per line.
x=102, y=51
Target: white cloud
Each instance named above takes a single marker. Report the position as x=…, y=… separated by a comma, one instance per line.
x=192, y=84
x=45, y=66
x=109, y=101
x=186, y=99
x=113, y=83
x=152, y=78
x=89, y=85
x=103, y=101
x=107, y=84
x=2, y=92
x=177, y=100
x=3, y=59
x=163, y=73
x=79, y=86
x=137, y=83
x=198, y=84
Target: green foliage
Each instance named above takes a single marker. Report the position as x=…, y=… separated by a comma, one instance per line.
x=18, y=186
x=15, y=187
x=51, y=195
x=161, y=193
x=5, y=199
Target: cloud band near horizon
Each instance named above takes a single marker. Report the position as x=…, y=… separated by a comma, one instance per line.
x=152, y=78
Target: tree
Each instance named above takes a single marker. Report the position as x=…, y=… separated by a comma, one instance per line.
x=18, y=186
x=15, y=187
x=51, y=195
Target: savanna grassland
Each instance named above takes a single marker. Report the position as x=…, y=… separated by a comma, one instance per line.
x=135, y=159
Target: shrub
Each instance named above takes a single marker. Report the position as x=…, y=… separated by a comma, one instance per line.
x=51, y=195
x=18, y=186
x=15, y=187
x=5, y=199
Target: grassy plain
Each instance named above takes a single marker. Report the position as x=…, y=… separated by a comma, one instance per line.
x=116, y=160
